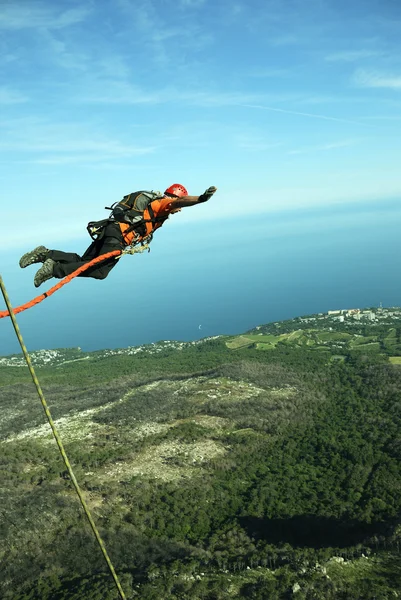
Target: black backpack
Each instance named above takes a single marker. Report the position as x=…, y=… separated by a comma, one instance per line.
x=130, y=209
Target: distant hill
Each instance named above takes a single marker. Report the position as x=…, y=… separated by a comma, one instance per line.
x=260, y=465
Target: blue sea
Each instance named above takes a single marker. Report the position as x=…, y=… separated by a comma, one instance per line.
x=221, y=277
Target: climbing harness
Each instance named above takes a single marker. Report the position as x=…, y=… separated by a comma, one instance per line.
x=134, y=214
x=56, y=435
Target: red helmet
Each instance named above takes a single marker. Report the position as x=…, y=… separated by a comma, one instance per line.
x=176, y=190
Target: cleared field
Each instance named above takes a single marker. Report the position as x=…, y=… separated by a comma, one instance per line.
x=328, y=336
x=369, y=346
x=360, y=341
x=395, y=360
x=265, y=346
x=296, y=335
x=242, y=341
x=264, y=338
x=314, y=339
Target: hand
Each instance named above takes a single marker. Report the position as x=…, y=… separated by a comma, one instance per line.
x=207, y=194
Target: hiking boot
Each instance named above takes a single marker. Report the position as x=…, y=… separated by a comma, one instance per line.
x=45, y=272
x=35, y=256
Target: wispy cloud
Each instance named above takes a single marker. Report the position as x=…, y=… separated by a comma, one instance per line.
x=192, y=3
x=217, y=98
x=266, y=72
x=8, y=58
x=109, y=91
x=38, y=141
x=376, y=79
x=93, y=157
x=352, y=55
x=301, y=114
x=65, y=55
x=325, y=147
x=283, y=40
x=236, y=9
x=325, y=99
x=83, y=146
x=10, y=96
x=33, y=15
x=113, y=91
x=162, y=42
x=383, y=118
x=254, y=143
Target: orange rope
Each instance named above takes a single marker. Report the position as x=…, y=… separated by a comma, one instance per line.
x=67, y=279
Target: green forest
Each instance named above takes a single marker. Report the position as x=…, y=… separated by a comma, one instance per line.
x=261, y=469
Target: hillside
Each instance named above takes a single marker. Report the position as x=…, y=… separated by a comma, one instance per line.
x=263, y=465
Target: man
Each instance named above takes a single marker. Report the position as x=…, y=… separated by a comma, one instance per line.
x=133, y=221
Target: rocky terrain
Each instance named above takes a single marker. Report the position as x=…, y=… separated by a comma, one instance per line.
x=257, y=465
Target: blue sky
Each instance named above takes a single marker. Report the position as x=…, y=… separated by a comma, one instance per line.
x=284, y=106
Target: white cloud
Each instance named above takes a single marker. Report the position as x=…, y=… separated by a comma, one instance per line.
x=33, y=15
x=376, y=79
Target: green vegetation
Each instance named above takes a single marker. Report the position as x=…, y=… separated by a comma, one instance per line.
x=217, y=471
x=365, y=339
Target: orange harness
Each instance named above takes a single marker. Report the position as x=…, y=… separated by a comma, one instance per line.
x=151, y=222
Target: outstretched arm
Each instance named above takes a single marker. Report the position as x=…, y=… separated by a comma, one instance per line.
x=192, y=200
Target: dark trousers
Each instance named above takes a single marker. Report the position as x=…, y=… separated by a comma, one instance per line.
x=68, y=262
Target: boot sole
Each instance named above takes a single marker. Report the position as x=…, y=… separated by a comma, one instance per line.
x=35, y=256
